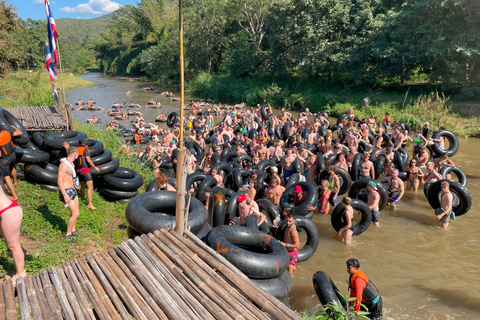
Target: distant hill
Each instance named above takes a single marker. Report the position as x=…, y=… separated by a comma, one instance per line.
x=75, y=32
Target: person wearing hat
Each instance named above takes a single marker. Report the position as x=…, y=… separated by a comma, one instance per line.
x=299, y=198
x=373, y=199
x=82, y=166
x=244, y=210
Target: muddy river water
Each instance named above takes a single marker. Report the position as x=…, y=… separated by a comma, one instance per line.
x=421, y=270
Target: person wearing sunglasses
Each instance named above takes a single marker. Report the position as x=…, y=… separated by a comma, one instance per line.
x=415, y=174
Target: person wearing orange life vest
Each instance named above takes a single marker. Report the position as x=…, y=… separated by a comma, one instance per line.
x=82, y=167
x=364, y=290
x=386, y=121
x=7, y=159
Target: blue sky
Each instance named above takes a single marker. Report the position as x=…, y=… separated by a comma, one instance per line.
x=84, y=9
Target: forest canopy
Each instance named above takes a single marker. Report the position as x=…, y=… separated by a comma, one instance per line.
x=368, y=42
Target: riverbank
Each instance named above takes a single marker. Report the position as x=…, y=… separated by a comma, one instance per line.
x=413, y=104
x=34, y=88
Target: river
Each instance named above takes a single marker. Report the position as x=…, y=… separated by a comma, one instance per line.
x=421, y=270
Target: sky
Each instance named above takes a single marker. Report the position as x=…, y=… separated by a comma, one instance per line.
x=76, y=9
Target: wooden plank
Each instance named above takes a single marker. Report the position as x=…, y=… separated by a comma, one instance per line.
x=11, y=308
x=3, y=314
x=130, y=302
x=70, y=295
x=50, y=295
x=22, y=299
x=77, y=290
x=136, y=289
x=92, y=295
x=32, y=299
x=61, y=295
x=42, y=300
x=161, y=297
x=182, y=301
x=108, y=289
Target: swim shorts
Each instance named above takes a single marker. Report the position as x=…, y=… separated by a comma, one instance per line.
x=271, y=134
x=287, y=174
x=375, y=216
x=361, y=177
x=84, y=175
x=333, y=199
x=6, y=164
x=71, y=192
x=293, y=257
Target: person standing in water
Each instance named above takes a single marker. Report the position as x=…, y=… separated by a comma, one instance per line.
x=346, y=232
x=364, y=290
x=291, y=242
x=444, y=213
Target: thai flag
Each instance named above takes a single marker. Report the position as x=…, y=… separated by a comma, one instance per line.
x=51, y=31
x=50, y=66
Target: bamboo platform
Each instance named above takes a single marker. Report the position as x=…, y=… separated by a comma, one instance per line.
x=155, y=276
x=39, y=118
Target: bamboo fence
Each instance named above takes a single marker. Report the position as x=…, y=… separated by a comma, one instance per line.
x=39, y=118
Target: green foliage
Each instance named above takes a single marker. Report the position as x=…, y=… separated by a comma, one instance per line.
x=336, y=312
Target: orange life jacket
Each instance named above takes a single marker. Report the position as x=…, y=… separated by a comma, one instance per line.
x=6, y=144
x=81, y=162
x=387, y=119
x=369, y=294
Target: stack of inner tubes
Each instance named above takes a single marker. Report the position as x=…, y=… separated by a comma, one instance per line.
x=38, y=157
x=259, y=256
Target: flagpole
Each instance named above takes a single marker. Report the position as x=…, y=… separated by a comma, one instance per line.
x=70, y=122
x=181, y=212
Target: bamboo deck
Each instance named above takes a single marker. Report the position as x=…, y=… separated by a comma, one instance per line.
x=155, y=276
x=39, y=118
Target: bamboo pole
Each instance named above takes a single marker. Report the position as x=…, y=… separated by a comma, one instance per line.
x=182, y=79
x=32, y=299
x=262, y=298
x=120, y=289
x=210, y=305
x=8, y=292
x=168, y=305
x=141, y=289
x=108, y=289
x=3, y=314
x=181, y=180
x=77, y=290
x=22, y=299
x=61, y=295
x=50, y=295
x=182, y=300
x=74, y=304
x=223, y=289
x=42, y=300
x=69, y=117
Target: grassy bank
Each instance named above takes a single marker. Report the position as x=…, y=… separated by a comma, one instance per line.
x=414, y=104
x=34, y=88
x=45, y=218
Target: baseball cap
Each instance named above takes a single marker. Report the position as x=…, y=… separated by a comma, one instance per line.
x=298, y=189
x=241, y=198
x=372, y=184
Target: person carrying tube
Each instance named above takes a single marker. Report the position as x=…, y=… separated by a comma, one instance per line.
x=363, y=290
x=8, y=159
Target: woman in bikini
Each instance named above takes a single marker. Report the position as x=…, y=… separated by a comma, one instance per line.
x=379, y=135
x=11, y=215
x=415, y=174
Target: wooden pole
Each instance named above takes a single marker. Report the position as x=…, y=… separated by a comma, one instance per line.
x=180, y=204
x=67, y=107
x=180, y=23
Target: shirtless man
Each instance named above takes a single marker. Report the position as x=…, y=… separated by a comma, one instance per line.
x=341, y=161
x=190, y=163
x=291, y=242
x=249, y=195
x=272, y=123
x=285, y=116
x=351, y=139
x=444, y=213
x=422, y=158
x=333, y=184
x=303, y=154
x=367, y=169
x=274, y=193
x=244, y=210
x=396, y=188
x=168, y=136
x=68, y=192
x=288, y=164
x=397, y=138
x=373, y=201
x=312, y=171
x=217, y=176
x=431, y=175
x=263, y=153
